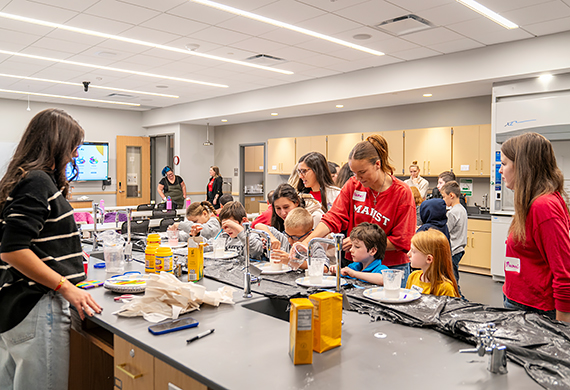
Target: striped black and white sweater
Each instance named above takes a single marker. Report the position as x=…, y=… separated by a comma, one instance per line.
x=36, y=216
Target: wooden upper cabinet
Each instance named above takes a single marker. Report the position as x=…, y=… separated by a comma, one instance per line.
x=431, y=148
x=253, y=158
x=395, y=141
x=340, y=145
x=306, y=145
x=471, y=150
x=280, y=156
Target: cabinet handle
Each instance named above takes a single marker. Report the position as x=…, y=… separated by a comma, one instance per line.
x=476, y=164
x=429, y=166
x=481, y=164
x=121, y=367
x=424, y=166
x=472, y=242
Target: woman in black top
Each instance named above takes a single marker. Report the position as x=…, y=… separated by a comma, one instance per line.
x=214, y=187
x=41, y=256
x=172, y=185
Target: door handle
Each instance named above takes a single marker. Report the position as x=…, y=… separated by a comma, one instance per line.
x=121, y=367
x=120, y=192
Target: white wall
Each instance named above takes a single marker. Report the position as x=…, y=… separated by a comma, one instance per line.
x=196, y=159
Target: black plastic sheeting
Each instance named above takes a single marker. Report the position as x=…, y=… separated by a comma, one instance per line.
x=540, y=345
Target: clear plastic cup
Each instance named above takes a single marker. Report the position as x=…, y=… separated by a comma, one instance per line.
x=219, y=245
x=316, y=268
x=392, y=282
x=298, y=256
x=276, y=264
x=172, y=237
x=114, y=259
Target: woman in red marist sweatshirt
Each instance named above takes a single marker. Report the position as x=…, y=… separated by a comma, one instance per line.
x=374, y=195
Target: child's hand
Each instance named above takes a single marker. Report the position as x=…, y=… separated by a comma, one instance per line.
x=332, y=269
x=174, y=226
x=346, y=271
x=230, y=226
x=275, y=243
x=195, y=230
x=279, y=256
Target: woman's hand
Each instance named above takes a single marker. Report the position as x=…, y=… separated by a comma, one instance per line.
x=81, y=299
x=346, y=244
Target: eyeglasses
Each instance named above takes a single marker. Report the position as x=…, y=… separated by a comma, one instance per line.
x=303, y=172
x=298, y=238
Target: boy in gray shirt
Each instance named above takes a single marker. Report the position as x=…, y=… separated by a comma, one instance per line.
x=456, y=224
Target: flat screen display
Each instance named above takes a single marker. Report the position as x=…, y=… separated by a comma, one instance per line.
x=92, y=162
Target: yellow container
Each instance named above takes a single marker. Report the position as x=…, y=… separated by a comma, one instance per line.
x=327, y=320
x=301, y=331
x=149, y=258
x=196, y=263
x=153, y=239
x=163, y=259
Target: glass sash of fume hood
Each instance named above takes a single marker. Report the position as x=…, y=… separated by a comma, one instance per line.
x=503, y=198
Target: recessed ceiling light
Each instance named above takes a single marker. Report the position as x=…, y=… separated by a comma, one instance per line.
x=135, y=41
x=12, y=53
x=486, y=12
x=362, y=37
x=192, y=46
x=69, y=97
x=428, y=95
x=339, y=105
x=90, y=85
x=545, y=77
x=274, y=114
x=224, y=120
x=288, y=26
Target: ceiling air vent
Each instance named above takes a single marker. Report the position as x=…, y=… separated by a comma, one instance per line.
x=403, y=25
x=265, y=60
x=121, y=96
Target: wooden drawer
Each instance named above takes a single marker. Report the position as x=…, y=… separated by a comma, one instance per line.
x=134, y=368
x=479, y=225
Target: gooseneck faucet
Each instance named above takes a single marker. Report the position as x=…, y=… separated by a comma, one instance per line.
x=337, y=242
x=128, y=247
x=96, y=208
x=487, y=345
x=247, y=275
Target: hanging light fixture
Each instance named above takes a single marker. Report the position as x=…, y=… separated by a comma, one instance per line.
x=208, y=143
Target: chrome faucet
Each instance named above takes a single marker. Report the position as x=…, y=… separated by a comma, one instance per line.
x=337, y=242
x=128, y=246
x=247, y=274
x=487, y=345
x=96, y=208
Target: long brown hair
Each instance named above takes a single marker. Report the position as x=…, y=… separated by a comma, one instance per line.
x=417, y=196
x=433, y=242
x=283, y=191
x=47, y=145
x=197, y=208
x=536, y=174
x=216, y=171
x=373, y=149
x=318, y=164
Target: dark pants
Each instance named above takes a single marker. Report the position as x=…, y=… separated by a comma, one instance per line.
x=509, y=304
x=455, y=259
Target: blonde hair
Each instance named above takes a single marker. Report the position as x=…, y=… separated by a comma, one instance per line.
x=414, y=164
x=299, y=218
x=216, y=171
x=417, y=196
x=373, y=149
x=433, y=242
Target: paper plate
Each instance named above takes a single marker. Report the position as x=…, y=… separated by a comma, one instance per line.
x=177, y=246
x=226, y=255
x=406, y=295
x=328, y=282
x=130, y=283
x=266, y=269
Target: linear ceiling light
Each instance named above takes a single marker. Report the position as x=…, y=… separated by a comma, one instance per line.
x=90, y=85
x=69, y=97
x=12, y=53
x=136, y=42
x=486, y=12
x=288, y=26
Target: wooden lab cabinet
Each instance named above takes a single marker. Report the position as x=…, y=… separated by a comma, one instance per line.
x=431, y=148
x=304, y=145
x=477, y=257
x=251, y=203
x=280, y=156
x=253, y=158
x=339, y=147
x=395, y=140
x=168, y=378
x=471, y=150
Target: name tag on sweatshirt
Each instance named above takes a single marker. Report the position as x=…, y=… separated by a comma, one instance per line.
x=359, y=196
x=513, y=264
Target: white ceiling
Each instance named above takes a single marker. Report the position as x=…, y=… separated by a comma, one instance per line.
x=178, y=23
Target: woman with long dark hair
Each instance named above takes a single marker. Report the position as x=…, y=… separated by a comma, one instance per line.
x=214, y=187
x=315, y=179
x=41, y=256
x=537, y=269
x=285, y=199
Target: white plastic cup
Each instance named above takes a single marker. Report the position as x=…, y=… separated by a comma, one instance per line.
x=316, y=269
x=276, y=264
x=172, y=237
x=392, y=282
x=219, y=247
x=114, y=259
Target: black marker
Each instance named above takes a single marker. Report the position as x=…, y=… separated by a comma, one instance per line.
x=200, y=335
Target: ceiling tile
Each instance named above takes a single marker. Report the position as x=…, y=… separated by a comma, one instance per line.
x=372, y=12
x=69, y=36
x=123, y=12
x=320, y=72
x=457, y=45
x=96, y=23
x=56, y=73
x=349, y=54
x=48, y=53
x=320, y=46
x=162, y=5
x=220, y=36
x=247, y=26
x=200, y=13
x=286, y=37
x=72, y=5
x=28, y=28
x=487, y=32
x=289, y=11
x=550, y=27
x=331, y=6
x=258, y=46
x=59, y=45
x=322, y=61
x=375, y=35
x=249, y=5
x=350, y=66
x=392, y=45
x=174, y=24
x=446, y=14
x=432, y=36
x=329, y=24
x=291, y=53
x=167, y=55
x=203, y=46
x=414, y=54
x=501, y=6
x=149, y=61
x=538, y=13
x=39, y=11
x=415, y=6
x=149, y=35
x=20, y=39
x=232, y=53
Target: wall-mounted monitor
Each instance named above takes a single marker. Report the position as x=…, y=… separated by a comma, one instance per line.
x=92, y=162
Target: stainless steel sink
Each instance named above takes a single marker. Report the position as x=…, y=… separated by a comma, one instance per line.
x=276, y=308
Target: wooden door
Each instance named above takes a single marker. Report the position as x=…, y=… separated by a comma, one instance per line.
x=259, y=158
x=133, y=170
x=339, y=146
x=249, y=156
x=466, y=151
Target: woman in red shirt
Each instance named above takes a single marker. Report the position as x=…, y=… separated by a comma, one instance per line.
x=374, y=195
x=537, y=264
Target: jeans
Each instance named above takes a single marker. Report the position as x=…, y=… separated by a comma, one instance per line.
x=509, y=304
x=406, y=269
x=455, y=259
x=35, y=353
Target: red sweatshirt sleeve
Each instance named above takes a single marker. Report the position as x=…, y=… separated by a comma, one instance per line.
x=405, y=223
x=337, y=218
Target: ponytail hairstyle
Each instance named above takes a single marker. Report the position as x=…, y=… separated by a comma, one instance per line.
x=283, y=191
x=433, y=242
x=414, y=164
x=373, y=149
x=196, y=209
x=48, y=144
x=318, y=164
x=536, y=174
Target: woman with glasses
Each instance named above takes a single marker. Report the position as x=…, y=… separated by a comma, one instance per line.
x=374, y=195
x=172, y=185
x=315, y=179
